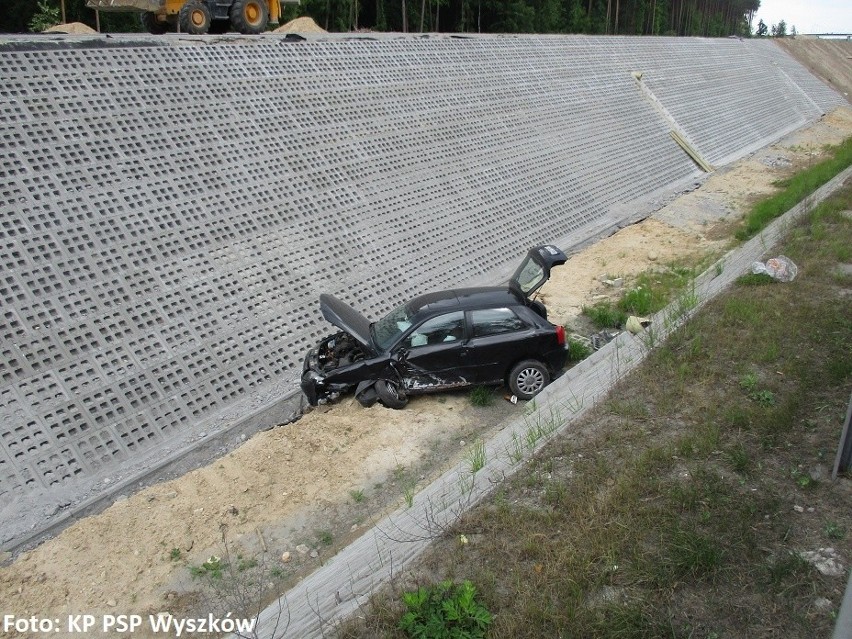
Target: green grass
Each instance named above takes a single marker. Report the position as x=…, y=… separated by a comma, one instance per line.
x=578, y=350
x=669, y=511
x=796, y=189
x=652, y=292
x=482, y=396
x=605, y=315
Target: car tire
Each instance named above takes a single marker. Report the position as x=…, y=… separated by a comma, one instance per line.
x=390, y=394
x=527, y=378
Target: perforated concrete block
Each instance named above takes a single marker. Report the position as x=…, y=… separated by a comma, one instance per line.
x=170, y=213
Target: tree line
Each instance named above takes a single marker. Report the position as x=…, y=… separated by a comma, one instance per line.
x=710, y=18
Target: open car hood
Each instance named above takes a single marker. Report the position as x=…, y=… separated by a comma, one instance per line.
x=347, y=319
x=534, y=271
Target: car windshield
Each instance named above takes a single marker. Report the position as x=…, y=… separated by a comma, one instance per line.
x=530, y=275
x=389, y=329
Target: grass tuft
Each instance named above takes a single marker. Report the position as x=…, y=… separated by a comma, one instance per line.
x=482, y=396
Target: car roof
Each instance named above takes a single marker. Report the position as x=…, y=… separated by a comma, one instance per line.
x=461, y=299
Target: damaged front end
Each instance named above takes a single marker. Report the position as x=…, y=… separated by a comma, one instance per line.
x=329, y=369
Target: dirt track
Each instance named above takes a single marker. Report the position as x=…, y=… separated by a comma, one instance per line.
x=314, y=484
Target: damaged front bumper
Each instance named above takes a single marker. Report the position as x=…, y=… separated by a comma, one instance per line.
x=314, y=384
x=312, y=381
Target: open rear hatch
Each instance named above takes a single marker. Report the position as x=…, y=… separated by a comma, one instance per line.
x=534, y=271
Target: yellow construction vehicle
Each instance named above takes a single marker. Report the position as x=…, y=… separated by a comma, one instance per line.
x=199, y=16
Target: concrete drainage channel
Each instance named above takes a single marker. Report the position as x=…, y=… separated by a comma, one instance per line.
x=344, y=584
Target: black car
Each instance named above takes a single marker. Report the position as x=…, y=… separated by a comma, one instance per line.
x=444, y=340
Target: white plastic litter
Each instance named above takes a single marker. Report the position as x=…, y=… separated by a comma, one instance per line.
x=780, y=268
x=636, y=325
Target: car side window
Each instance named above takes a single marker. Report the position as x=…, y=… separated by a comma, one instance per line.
x=444, y=328
x=493, y=321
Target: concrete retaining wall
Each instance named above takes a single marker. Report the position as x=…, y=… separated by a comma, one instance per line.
x=172, y=207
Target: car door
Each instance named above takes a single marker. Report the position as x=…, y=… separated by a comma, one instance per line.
x=433, y=355
x=499, y=337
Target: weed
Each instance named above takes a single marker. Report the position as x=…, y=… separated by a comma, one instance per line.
x=803, y=480
x=175, y=554
x=476, y=456
x=325, y=537
x=605, y=315
x=482, y=396
x=738, y=311
x=764, y=397
x=578, y=350
x=833, y=530
x=357, y=495
x=739, y=459
x=540, y=428
x=787, y=573
x=465, y=485
x=556, y=493
x=754, y=279
x=681, y=307
x=628, y=408
x=515, y=450
x=211, y=568
x=637, y=301
x=748, y=382
x=444, y=611
x=408, y=494
x=244, y=563
x=692, y=554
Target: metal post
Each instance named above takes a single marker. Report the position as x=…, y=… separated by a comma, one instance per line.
x=843, y=627
x=844, y=451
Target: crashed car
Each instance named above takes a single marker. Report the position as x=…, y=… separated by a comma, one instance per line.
x=441, y=341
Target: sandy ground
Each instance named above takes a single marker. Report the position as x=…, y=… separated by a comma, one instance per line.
x=298, y=492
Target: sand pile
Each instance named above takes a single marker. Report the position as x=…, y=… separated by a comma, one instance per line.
x=300, y=25
x=72, y=28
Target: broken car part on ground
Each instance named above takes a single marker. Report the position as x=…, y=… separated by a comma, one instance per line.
x=443, y=340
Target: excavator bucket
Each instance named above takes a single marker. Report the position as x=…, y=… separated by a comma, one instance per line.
x=125, y=5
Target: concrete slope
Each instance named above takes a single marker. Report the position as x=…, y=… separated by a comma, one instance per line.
x=171, y=208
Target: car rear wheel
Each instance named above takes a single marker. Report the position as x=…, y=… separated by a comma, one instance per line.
x=390, y=394
x=527, y=378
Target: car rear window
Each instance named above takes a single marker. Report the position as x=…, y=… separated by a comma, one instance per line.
x=493, y=321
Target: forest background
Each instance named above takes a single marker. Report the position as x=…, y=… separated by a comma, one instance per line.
x=710, y=18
